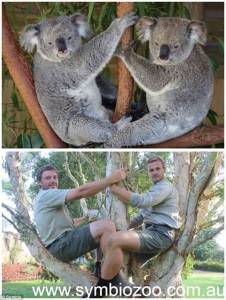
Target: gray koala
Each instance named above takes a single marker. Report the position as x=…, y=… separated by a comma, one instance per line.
x=65, y=69
x=177, y=79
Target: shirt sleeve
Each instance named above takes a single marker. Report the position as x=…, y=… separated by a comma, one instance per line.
x=156, y=195
x=54, y=197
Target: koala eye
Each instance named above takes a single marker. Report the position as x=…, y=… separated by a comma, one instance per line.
x=156, y=44
x=50, y=43
x=69, y=38
x=176, y=46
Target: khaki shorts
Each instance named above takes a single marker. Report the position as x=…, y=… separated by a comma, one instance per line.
x=73, y=244
x=155, y=239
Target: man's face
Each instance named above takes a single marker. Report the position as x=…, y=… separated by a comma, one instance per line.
x=156, y=171
x=49, y=180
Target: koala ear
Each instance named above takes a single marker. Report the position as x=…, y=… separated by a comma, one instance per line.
x=197, y=32
x=144, y=28
x=83, y=26
x=29, y=37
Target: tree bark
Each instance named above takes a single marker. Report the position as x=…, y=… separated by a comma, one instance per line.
x=117, y=210
x=21, y=75
x=196, y=10
x=125, y=81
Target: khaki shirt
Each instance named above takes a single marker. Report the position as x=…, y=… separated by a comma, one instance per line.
x=51, y=215
x=159, y=206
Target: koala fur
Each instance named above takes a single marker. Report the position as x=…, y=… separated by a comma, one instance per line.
x=65, y=69
x=177, y=79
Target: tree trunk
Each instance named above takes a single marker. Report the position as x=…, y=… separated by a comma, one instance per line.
x=21, y=75
x=125, y=81
x=116, y=209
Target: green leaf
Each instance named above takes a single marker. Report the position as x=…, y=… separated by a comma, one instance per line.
x=221, y=46
x=15, y=100
x=36, y=140
x=90, y=10
x=171, y=9
x=214, y=63
x=141, y=8
x=23, y=141
x=212, y=116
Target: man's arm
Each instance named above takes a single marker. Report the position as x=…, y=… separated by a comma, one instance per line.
x=122, y=194
x=156, y=195
x=92, y=188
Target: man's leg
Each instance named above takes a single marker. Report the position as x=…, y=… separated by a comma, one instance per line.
x=102, y=228
x=98, y=230
x=113, y=247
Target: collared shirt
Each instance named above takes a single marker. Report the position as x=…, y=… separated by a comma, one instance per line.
x=159, y=206
x=51, y=215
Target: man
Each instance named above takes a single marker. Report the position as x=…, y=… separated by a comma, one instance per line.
x=160, y=215
x=54, y=223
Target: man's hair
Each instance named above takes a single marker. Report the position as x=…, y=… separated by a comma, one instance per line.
x=42, y=169
x=156, y=158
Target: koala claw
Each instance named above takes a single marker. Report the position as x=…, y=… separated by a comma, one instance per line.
x=128, y=20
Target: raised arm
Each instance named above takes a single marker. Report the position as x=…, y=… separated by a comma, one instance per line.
x=156, y=195
x=94, y=55
x=92, y=188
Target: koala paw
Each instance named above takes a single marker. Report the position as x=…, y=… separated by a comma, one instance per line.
x=128, y=20
x=123, y=122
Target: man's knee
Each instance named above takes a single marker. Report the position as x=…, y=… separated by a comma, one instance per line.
x=99, y=228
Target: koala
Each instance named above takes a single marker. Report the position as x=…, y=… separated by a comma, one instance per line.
x=177, y=79
x=65, y=69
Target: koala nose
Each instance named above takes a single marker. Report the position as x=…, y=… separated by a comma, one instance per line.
x=164, y=52
x=61, y=45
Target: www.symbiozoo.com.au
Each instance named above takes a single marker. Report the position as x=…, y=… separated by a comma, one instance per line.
x=134, y=291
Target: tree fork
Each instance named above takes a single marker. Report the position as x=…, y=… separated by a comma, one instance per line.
x=125, y=81
x=22, y=77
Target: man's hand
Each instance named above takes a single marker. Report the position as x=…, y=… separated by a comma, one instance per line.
x=79, y=221
x=118, y=175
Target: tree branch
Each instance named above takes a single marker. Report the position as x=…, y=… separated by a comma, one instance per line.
x=200, y=136
x=21, y=75
x=200, y=240
x=68, y=171
x=210, y=223
x=193, y=198
x=11, y=222
x=19, y=218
